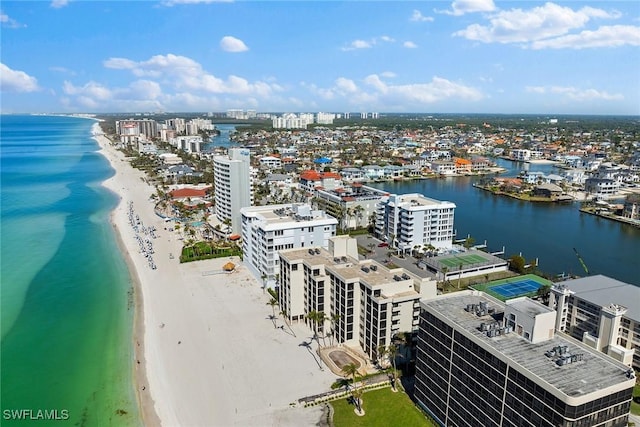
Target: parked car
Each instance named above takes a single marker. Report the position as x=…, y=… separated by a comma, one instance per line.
x=383, y=245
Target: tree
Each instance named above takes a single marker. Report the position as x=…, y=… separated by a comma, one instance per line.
x=273, y=303
x=315, y=317
x=445, y=270
x=392, y=354
x=516, y=263
x=469, y=241
x=543, y=293
x=351, y=369
x=359, y=213
x=227, y=223
x=335, y=318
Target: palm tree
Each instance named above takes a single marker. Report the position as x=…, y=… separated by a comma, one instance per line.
x=382, y=352
x=445, y=270
x=351, y=369
x=273, y=303
x=335, y=318
x=227, y=223
x=286, y=320
x=358, y=212
x=264, y=281
x=315, y=317
x=392, y=353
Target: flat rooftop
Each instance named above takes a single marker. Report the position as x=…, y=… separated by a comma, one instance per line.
x=603, y=291
x=350, y=269
x=526, y=305
x=594, y=372
x=418, y=200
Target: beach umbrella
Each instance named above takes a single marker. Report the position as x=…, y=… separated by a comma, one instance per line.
x=229, y=266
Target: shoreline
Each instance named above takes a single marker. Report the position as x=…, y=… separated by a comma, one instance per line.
x=145, y=403
x=208, y=350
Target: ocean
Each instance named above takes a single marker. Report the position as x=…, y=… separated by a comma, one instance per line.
x=66, y=296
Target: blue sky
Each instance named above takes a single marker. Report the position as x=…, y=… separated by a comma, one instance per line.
x=463, y=56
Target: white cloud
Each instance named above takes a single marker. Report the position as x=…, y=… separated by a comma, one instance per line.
x=375, y=92
x=57, y=4
x=607, y=36
x=232, y=44
x=417, y=16
x=367, y=44
x=62, y=70
x=345, y=85
x=8, y=22
x=388, y=74
x=185, y=74
x=91, y=90
x=140, y=95
x=575, y=94
x=461, y=7
x=409, y=45
x=539, y=23
x=143, y=89
x=16, y=81
x=438, y=89
x=358, y=44
x=119, y=63
x=158, y=66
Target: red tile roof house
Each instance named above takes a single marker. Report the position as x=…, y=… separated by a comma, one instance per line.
x=192, y=197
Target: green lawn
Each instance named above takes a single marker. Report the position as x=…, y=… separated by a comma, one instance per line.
x=382, y=408
x=635, y=407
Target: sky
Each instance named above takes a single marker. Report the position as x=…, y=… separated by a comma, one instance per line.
x=462, y=56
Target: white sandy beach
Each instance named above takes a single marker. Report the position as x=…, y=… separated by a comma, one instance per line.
x=208, y=353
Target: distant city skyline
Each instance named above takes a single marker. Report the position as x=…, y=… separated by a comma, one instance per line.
x=463, y=56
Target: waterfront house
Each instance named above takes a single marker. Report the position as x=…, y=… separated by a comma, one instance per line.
x=463, y=166
x=631, y=209
x=547, y=190
x=480, y=164
x=601, y=187
x=373, y=172
x=443, y=167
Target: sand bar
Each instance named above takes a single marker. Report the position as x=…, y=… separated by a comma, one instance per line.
x=209, y=354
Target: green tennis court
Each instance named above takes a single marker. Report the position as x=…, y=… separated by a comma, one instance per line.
x=462, y=260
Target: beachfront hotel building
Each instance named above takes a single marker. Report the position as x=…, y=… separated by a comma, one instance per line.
x=233, y=190
x=603, y=313
x=269, y=229
x=482, y=362
x=365, y=303
x=409, y=220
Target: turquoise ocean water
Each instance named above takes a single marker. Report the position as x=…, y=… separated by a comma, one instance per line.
x=66, y=308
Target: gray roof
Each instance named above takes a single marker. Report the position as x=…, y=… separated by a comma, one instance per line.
x=277, y=177
x=603, y=291
x=593, y=373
